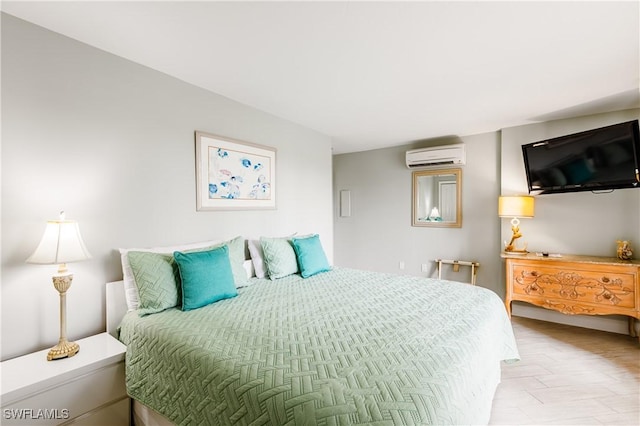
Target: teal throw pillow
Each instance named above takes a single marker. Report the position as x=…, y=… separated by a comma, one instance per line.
x=311, y=257
x=156, y=277
x=279, y=257
x=206, y=277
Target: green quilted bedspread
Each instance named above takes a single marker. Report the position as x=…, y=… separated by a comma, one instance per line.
x=344, y=347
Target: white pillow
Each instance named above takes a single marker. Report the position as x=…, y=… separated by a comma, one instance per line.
x=130, y=289
x=248, y=267
x=257, y=258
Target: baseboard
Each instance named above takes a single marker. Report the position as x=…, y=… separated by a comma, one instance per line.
x=611, y=323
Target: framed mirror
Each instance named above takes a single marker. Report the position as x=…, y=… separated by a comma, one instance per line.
x=437, y=200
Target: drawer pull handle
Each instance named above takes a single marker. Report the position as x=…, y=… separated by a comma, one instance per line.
x=534, y=287
x=607, y=296
x=605, y=279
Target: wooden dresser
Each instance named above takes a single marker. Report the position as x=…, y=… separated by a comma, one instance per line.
x=585, y=285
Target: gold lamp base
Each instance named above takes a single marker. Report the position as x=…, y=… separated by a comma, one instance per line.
x=511, y=246
x=63, y=349
x=510, y=250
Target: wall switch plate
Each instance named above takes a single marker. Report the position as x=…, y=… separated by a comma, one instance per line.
x=425, y=267
x=401, y=265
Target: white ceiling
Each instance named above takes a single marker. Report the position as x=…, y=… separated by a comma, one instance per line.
x=378, y=74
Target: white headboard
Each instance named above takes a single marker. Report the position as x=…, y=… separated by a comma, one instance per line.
x=116, y=306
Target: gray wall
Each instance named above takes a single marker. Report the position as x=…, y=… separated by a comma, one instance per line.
x=112, y=143
x=378, y=235
x=574, y=223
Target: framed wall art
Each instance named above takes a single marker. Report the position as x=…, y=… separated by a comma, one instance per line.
x=234, y=175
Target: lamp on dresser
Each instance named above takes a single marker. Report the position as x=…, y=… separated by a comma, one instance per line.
x=515, y=207
x=61, y=244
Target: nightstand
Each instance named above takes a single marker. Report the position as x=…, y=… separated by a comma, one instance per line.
x=86, y=389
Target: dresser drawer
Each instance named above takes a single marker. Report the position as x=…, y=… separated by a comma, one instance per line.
x=575, y=285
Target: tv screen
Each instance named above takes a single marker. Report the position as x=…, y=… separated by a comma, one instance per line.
x=600, y=159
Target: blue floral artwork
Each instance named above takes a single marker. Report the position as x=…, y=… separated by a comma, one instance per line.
x=236, y=175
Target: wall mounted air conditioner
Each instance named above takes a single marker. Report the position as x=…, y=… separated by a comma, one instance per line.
x=436, y=156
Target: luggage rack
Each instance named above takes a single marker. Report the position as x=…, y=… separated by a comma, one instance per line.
x=456, y=267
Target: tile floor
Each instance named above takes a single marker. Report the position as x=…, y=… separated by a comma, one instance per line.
x=569, y=376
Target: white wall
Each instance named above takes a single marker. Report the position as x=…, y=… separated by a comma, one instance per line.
x=112, y=143
x=378, y=235
x=573, y=223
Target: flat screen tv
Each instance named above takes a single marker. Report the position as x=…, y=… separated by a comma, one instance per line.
x=601, y=159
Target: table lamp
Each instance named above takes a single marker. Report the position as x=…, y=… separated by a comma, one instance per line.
x=515, y=207
x=61, y=244
x=434, y=216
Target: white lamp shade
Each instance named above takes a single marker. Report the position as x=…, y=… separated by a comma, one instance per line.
x=521, y=206
x=61, y=243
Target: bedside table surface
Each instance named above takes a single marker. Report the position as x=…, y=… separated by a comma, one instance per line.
x=26, y=374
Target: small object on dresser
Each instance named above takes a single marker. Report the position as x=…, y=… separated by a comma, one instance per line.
x=625, y=252
x=546, y=254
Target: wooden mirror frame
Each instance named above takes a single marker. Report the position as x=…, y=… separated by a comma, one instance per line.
x=415, y=220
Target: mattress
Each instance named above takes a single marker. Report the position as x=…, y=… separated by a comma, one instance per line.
x=344, y=347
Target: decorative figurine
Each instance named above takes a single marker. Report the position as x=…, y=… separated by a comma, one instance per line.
x=625, y=252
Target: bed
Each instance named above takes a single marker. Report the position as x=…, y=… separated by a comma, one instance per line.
x=340, y=347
